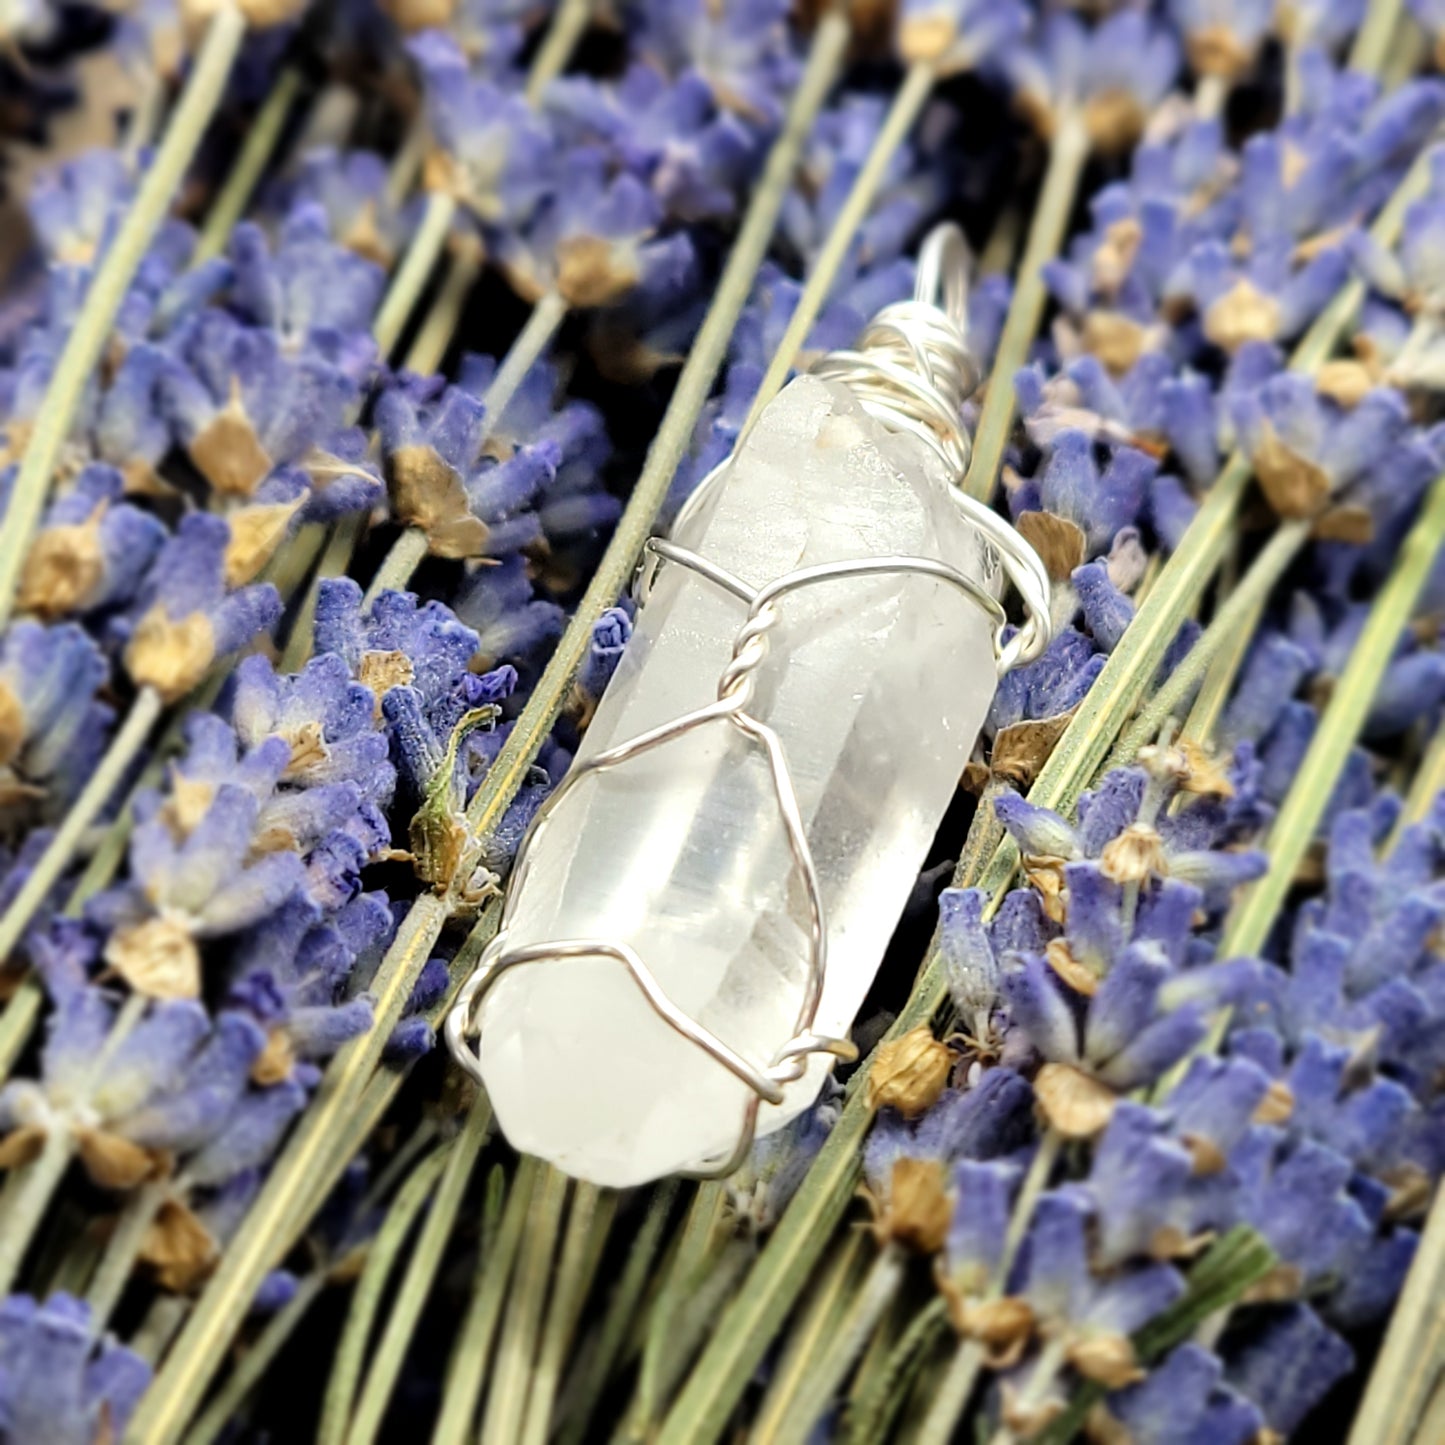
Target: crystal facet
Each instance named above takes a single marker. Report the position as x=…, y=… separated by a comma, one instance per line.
x=877, y=687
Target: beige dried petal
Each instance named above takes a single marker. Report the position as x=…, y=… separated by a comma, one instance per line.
x=169, y=654
x=113, y=1162
x=382, y=671
x=1034, y=108
x=910, y=1072
x=1277, y=1106
x=1281, y=1285
x=179, y=1248
x=427, y=493
x=1355, y=525
x=158, y=958
x=1058, y=541
x=16, y=441
x=1217, y=50
x=1117, y=341
x=1411, y=1190
x=275, y=1062
x=1021, y=749
x=1114, y=120
x=364, y=237
x=1243, y=313
x=1205, y=1156
x=228, y=453
x=1108, y=1360
x=274, y=839
x=256, y=533
x=975, y=777
x=63, y=569
x=1047, y=877
x=1025, y=1417
x=308, y=749
x=414, y=15
x=592, y=271
x=1136, y=855
x=21, y=1146
x=1169, y=1242
x=1293, y=485
x=1204, y=775
x=1079, y=976
x=1113, y=260
x=1075, y=1103
x=926, y=38
x=188, y=801
x=1345, y=382
x=1101, y=1428
x=260, y=14
x=12, y=725
x=1001, y=1324
x=917, y=1211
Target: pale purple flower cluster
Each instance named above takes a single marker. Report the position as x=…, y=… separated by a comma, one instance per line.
x=1118, y=1097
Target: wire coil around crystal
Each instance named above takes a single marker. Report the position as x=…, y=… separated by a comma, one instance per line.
x=912, y=371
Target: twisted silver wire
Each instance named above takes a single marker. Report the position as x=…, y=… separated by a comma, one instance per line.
x=912, y=370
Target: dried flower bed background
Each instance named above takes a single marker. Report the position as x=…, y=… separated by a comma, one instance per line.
x=348, y=353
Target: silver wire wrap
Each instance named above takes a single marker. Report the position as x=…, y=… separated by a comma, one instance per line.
x=912, y=371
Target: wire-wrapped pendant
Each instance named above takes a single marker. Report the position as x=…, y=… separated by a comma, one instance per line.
x=699, y=909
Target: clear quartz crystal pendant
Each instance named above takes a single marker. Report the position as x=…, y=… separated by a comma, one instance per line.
x=699, y=909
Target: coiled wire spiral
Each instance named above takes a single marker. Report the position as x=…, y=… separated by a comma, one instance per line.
x=912, y=370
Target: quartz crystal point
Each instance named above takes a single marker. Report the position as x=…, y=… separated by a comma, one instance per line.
x=877, y=687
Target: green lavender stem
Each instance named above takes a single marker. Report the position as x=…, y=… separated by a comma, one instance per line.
x=27, y=1196
x=421, y=1272
x=1068, y=152
x=472, y=1351
x=568, y=25
x=381, y=1257
x=426, y=352
x=121, y=1252
x=407, y=553
x=422, y=254
x=335, y=559
x=1230, y=624
x=517, y=1348
x=203, y=91
x=1375, y=36
x=808, y=1338
x=622, y=1308
x=704, y=1216
x=908, y=102
x=255, y=155
x=1219, y=679
x=1299, y=816
x=224, y=1410
x=588, y=1221
x=1425, y=790
x=880, y=1393
x=817, y=1385
x=1408, y=1370
x=522, y=355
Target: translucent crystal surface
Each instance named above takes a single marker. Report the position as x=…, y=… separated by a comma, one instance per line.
x=877, y=688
